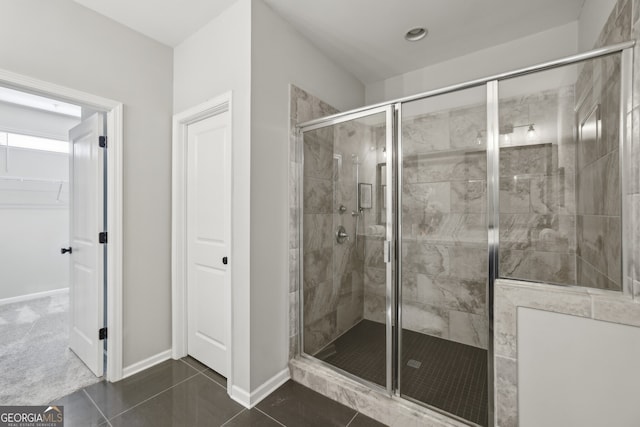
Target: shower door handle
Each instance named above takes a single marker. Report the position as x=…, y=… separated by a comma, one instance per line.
x=387, y=251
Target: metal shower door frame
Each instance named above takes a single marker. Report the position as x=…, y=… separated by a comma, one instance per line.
x=393, y=237
x=388, y=243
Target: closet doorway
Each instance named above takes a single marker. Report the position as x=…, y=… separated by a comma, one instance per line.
x=60, y=275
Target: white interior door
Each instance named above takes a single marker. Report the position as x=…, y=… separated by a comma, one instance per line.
x=208, y=239
x=86, y=289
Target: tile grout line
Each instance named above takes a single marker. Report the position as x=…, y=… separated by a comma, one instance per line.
x=232, y=418
x=597, y=270
x=353, y=418
x=96, y=405
x=211, y=379
x=155, y=395
x=269, y=416
x=191, y=366
x=207, y=376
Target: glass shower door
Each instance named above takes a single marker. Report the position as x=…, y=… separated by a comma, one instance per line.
x=345, y=223
x=560, y=183
x=443, y=269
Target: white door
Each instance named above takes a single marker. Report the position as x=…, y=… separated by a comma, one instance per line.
x=87, y=257
x=208, y=238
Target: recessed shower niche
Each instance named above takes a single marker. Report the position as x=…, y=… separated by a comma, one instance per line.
x=412, y=209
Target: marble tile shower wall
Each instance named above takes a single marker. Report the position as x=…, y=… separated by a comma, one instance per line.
x=333, y=282
x=633, y=152
x=374, y=265
x=443, y=228
x=598, y=222
x=537, y=189
x=353, y=161
x=444, y=214
x=321, y=292
x=623, y=24
x=305, y=107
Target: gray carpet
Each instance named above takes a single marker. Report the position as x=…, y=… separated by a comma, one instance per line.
x=36, y=365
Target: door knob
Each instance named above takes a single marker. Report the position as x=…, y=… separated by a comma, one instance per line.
x=224, y=260
x=65, y=250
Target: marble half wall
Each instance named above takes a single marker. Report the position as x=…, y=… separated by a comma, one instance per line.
x=510, y=295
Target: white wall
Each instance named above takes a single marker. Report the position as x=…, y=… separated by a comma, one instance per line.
x=279, y=56
x=575, y=371
x=67, y=44
x=547, y=45
x=34, y=222
x=255, y=54
x=215, y=60
x=30, y=258
x=592, y=18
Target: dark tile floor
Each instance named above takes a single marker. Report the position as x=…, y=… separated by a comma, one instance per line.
x=187, y=393
x=448, y=375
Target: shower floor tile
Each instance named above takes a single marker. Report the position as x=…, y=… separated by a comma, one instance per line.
x=442, y=373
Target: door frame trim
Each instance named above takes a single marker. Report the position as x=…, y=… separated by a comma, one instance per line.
x=181, y=121
x=115, y=131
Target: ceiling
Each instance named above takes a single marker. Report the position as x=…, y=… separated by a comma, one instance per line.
x=365, y=36
x=167, y=21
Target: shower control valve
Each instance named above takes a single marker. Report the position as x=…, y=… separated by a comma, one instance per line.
x=341, y=235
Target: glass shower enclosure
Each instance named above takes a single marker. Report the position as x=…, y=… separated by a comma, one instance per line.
x=412, y=209
x=345, y=225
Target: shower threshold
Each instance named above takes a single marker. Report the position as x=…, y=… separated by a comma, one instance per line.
x=444, y=374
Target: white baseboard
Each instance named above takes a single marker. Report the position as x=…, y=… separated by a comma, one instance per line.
x=249, y=400
x=146, y=363
x=36, y=295
x=269, y=386
x=241, y=396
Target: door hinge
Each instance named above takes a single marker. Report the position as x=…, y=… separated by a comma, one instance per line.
x=102, y=334
x=102, y=141
x=102, y=237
